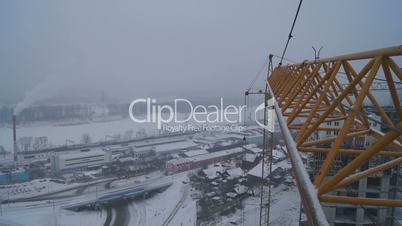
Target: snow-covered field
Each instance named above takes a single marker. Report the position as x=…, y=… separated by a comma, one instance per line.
x=61, y=134
x=58, y=135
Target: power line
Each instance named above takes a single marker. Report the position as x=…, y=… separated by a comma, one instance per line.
x=284, y=51
x=290, y=33
x=258, y=74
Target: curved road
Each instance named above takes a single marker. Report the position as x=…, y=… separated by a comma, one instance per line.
x=122, y=217
x=121, y=214
x=177, y=207
x=109, y=217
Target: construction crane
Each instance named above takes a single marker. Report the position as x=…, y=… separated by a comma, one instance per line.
x=311, y=100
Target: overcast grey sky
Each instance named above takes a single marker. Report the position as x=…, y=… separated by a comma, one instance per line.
x=182, y=48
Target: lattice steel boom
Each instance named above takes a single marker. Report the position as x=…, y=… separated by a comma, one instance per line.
x=313, y=94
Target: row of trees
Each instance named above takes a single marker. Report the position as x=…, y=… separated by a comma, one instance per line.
x=61, y=112
x=33, y=143
x=30, y=143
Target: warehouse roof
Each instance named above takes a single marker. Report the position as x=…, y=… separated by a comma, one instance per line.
x=85, y=154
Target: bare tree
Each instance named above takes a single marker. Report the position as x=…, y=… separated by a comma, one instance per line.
x=2, y=151
x=85, y=138
x=141, y=133
x=40, y=143
x=25, y=143
x=117, y=137
x=128, y=135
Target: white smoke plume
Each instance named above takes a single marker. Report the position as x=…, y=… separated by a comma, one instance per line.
x=43, y=90
x=62, y=76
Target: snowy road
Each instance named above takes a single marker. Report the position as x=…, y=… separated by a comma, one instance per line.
x=178, y=206
x=117, y=214
x=165, y=208
x=167, y=205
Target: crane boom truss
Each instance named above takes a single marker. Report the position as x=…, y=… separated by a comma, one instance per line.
x=311, y=95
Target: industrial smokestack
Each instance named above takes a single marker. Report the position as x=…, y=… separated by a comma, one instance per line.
x=15, y=137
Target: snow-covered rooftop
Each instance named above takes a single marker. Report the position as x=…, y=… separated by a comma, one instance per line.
x=213, y=172
x=231, y=195
x=235, y=172
x=127, y=159
x=196, y=152
x=158, y=142
x=257, y=170
x=167, y=147
x=278, y=153
x=240, y=189
x=250, y=157
x=82, y=154
x=207, y=156
x=253, y=148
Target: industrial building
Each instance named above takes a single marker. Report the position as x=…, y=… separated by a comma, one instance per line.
x=165, y=148
x=80, y=161
x=14, y=176
x=183, y=164
x=117, y=148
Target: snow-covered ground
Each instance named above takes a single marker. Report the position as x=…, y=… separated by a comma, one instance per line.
x=157, y=209
x=170, y=207
x=173, y=206
x=47, y=186
x=284, y=209
x=33, y=188
x=40, y=214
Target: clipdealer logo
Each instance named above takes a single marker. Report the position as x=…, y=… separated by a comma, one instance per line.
x=270, y=125
x=162, y=114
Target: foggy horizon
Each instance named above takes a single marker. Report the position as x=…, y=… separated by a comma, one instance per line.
x=208, y=49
